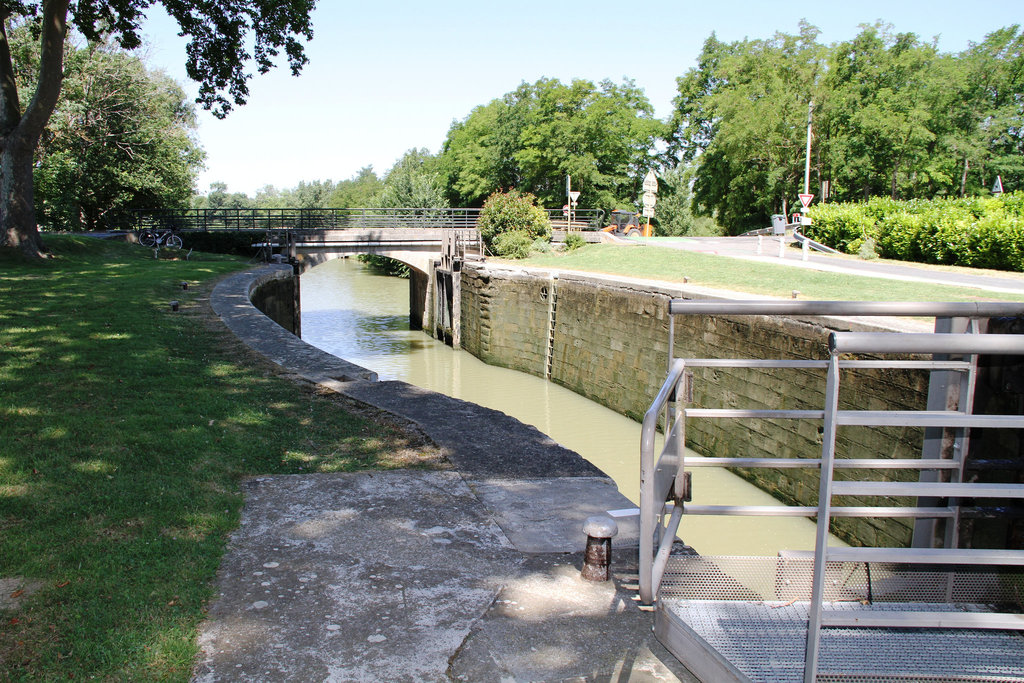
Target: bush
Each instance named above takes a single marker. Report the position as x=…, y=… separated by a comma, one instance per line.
x=514, y=244
x=983, y=232
x=574, y=241
x=512, y=211
x=385, y=265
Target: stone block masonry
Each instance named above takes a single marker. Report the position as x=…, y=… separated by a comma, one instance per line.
x=609, y=342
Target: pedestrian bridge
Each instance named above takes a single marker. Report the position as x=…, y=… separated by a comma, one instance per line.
x=415, y=236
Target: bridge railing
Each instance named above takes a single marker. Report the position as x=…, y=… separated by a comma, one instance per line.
x=212, y=220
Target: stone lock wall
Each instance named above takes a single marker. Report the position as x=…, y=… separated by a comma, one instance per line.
x=277, y=298
x=608, y=341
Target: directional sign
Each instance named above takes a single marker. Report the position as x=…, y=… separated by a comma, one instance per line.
x=805, y=199
x=650, y=182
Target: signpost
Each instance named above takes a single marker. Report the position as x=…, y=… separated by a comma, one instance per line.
x=570, y=208
x=650, y=195
x=650, y=183
x=805, y=201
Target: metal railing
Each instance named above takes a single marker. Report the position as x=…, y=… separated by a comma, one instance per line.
x=211, y=220
x=940, y=487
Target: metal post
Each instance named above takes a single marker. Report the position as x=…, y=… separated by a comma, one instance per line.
x=943, y=394
x=828, y=451
x=598, y=557
x=807, y=161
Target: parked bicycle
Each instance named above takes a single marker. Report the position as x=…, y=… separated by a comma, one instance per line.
x=156, y=237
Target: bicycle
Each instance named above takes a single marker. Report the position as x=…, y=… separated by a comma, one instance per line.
x=157, y=237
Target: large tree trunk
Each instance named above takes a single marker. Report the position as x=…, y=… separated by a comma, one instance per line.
x=20, y=131
x=18, y=226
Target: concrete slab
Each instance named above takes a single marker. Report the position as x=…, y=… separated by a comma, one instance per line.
x=547, y=515
x=353, y=577
x=403, y=576
x=548, y=624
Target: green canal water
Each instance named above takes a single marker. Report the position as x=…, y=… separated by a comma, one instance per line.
x=363, y=317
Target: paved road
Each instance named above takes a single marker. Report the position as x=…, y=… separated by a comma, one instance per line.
x=747, y=248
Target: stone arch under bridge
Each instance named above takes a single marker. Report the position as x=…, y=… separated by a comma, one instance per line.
x=434, y=257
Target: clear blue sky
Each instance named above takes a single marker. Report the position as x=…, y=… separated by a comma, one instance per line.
x=386, y=76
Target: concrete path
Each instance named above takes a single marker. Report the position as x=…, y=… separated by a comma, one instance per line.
x=408, y=576
x=471, y=574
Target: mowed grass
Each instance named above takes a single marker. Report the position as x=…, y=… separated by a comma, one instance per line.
x=719, y=272
x=125, y=429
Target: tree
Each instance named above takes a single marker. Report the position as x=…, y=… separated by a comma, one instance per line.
x=413, y=183
x=884, y=117
x=742, y=115
x=675, y=215
x=221, y=35
x=120, y=139
x=219, y=198
x=987, y=132
x=532, y=138
x=359, y=191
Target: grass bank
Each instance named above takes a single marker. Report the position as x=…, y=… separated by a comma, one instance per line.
x=125, y=429
x=739, y=275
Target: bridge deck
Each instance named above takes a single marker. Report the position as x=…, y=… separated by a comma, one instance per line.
x=207, y=220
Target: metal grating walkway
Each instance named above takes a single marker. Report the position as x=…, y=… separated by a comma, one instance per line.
x=765, y=641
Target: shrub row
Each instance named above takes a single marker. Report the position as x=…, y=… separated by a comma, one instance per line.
x=982, y=232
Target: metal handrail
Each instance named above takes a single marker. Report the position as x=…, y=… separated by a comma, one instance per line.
x=657, y=479
x=238, y=219
x=931, y=309
x=660, y=477
x=853, y=342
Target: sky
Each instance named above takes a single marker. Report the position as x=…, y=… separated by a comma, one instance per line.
x=387, y=76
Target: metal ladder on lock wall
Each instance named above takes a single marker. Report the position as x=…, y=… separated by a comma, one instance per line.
x=799, y=612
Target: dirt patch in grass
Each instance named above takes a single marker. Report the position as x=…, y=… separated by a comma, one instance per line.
x=15, y=589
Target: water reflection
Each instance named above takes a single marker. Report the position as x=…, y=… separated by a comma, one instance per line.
x=362, y=317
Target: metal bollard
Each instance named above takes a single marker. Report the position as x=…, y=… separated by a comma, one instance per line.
x=597, y=559
x=806, y=246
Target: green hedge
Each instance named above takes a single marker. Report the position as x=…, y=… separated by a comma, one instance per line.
x=982, y=232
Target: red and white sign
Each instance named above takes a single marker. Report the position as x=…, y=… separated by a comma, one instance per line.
x=805, y=199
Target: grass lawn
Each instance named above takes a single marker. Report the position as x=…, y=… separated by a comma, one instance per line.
x=125, y=429
x=720, y=272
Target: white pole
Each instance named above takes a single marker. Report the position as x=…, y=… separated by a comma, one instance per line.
x=807, y=162
x=568, y=203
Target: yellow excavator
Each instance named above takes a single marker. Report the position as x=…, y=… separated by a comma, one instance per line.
x=627, y=224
